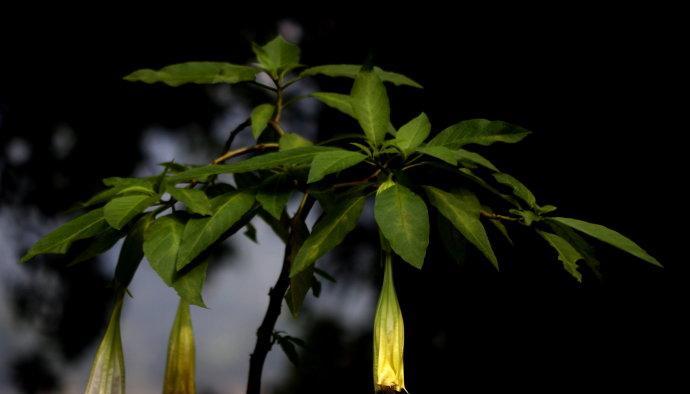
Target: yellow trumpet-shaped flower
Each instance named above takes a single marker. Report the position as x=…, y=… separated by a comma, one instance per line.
x=389, y=337
x=179, y=371
x=108, y=369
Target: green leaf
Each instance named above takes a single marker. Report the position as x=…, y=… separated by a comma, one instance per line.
x=412, y=134
x=274, y=194
x=199, y=234
x=609, y=236
x=119, y=211
x=403, y=219
x=519, y=190
x=59, y=240
x=462, y=209
x=299, y=287
x=328, y=232
x=475, y=158
x=467, y=173
x=195, y=72
x=295, y=157
x=370, y=106
x=580, y=244
x=132, y=252
x=107, y=374
x=189, y=283
x=277, y=56
x=454, y=243
x=196, y=201
x=351, y=70
x=161, y=245
x=333, y=161
x=98, y=245
x=341, y=102
x=181, y=363
x=478, y=131
x=292, y=140
x=260, y=117
x=566, y=253
x=289, y=349
x=440, y=152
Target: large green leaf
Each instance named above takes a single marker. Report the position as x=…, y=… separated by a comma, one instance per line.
x=132, y=252
x=370, y=105
x=440, y=152
x=566, y=253
x=181, y=363
x=189, y=283
x=292, y=140
x=277, y=56
x=120, y=210
x=463, y=209
x=195, y=72
x=328, y=232
x=412, y=134
x=333, y=161
x=403, y=219
x=59, y=240
x=341, y=102
x=195, y=200
x=474, y=158
x=578, y=242
x=296, y=157
x=260, y=117
x=351, y=70
x=519, y=189
x=609, y=236
x=199, y=234
x=478, y=131
x=98, y=245
x=161, y=245
x=274, y=194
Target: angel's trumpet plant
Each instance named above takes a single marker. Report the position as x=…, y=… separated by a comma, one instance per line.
x=179, y=371
x=389, y=337
x=108, y=369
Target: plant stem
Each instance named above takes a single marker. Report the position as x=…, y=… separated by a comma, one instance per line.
x=241, y=151
x=264, y=334
x=491, y=215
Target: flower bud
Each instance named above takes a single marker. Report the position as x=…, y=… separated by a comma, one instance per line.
x=179, y=371
x=107, y=374
x=389, y=337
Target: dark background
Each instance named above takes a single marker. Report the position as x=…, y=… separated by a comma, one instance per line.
x=601, y=90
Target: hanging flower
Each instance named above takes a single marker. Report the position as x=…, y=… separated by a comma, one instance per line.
x=107, y=374
x=179, y=371
x=389, y=337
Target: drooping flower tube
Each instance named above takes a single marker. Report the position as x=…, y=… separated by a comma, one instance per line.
x=389, y=337
x=107, y=374
x=179, y=370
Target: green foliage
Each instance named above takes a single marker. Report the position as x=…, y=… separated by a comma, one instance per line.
x=260, y=117
x=403, y=219
x=177, y=235
x=332, y=161
x=370, y=106
x=201, y=233
x=478, y=131
x=60, y=240
x=462, y=209
x=329, y=232
x=195, y=72
x=609, y=236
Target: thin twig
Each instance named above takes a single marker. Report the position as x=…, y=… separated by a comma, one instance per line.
x=491, y=215
x=241, y=151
